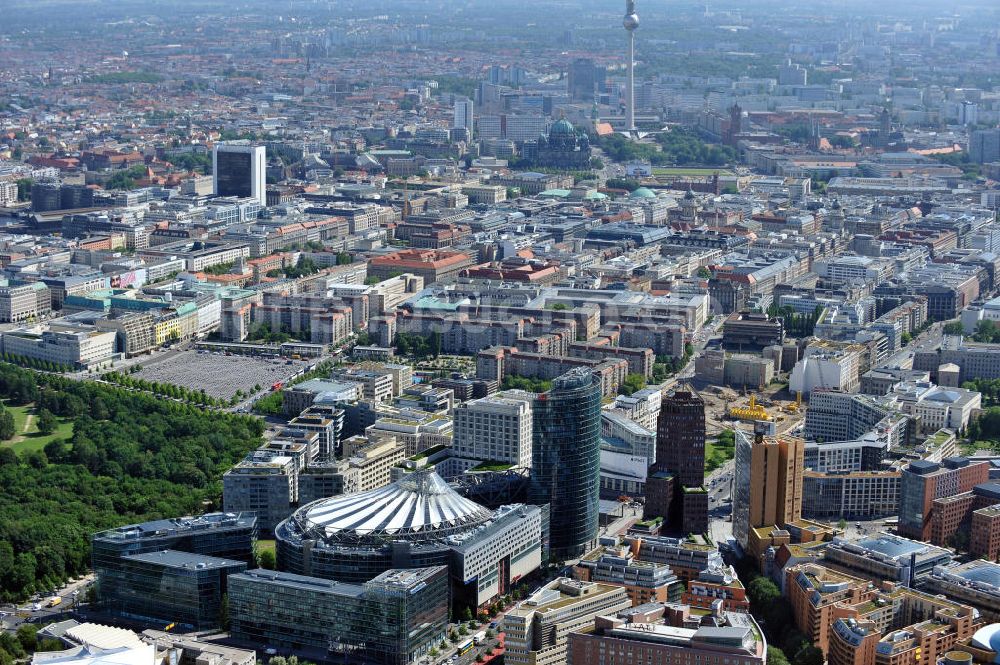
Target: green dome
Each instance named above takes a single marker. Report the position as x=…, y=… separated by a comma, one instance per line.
x=562, y=127
x=642, y=193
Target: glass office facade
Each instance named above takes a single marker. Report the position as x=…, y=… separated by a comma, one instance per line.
x=130, y=583
x=223, y=535
x=566, y=461
x=394, y=619
x=235, y=173
x=169, y=587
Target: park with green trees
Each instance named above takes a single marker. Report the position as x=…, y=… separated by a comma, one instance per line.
x=678, y=147
x=786, y=644
x=127, y=457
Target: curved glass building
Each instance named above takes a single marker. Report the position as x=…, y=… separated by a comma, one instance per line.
x=566, y=461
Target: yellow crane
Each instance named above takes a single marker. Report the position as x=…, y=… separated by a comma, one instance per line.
x=793, y=407
x=753, y=411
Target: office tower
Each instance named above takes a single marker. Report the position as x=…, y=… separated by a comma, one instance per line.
x=968, y=113
x=767, y=483
x=839, y=416
x=673, y=485
x=630, y=22
x=238, y=170
x=680, y=437
x=463, y=114
x=494, y=428
x=926, y=487
x=885, y=125
x=582, y=80
x=984, y=146
x=566, y=460
x=792, y=74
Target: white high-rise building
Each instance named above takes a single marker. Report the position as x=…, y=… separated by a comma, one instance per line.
x=463, y=113
x=239, y=169
x=494, y=428
x=968, y=113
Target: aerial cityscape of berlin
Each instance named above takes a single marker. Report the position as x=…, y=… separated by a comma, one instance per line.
x=563, y=332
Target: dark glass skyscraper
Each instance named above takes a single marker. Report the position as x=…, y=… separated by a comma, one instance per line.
x=238, y=169
x=566, y=460
x=674, y=484
x=680, y=437
x=582, y=80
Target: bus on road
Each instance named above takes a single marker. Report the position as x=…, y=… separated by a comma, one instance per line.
x=465, y=647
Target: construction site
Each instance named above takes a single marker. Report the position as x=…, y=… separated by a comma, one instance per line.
x=726, y=408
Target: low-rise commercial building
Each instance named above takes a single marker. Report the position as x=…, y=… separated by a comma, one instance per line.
x=751, y=331
x=172, y=570
x=355, y=537
x=24, y=302
x=76, y=346
x=537, y=630
x=886, y=557
x=655, y=633
x=644, y=581
x=976, y=583
x=395, y=618
x=431, y=265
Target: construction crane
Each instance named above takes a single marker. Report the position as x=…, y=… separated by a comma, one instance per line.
x=752, y=412
x=793, y=407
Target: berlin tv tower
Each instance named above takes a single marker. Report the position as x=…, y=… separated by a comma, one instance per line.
x=630, y=22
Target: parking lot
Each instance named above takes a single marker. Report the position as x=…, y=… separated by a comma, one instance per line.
x=220, y=375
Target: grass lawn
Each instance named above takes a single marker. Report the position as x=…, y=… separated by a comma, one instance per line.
x=28, y=437
x=717, y=454
x=679, y=170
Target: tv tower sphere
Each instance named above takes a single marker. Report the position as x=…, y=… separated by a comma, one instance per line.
x=631, y=20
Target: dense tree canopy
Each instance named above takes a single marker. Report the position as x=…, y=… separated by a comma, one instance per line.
x=131, y=457
x=987, y=332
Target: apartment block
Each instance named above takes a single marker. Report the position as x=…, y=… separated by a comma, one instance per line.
x=715, y=584
x=376, y=385
x=816, y=593
x=687, y=560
